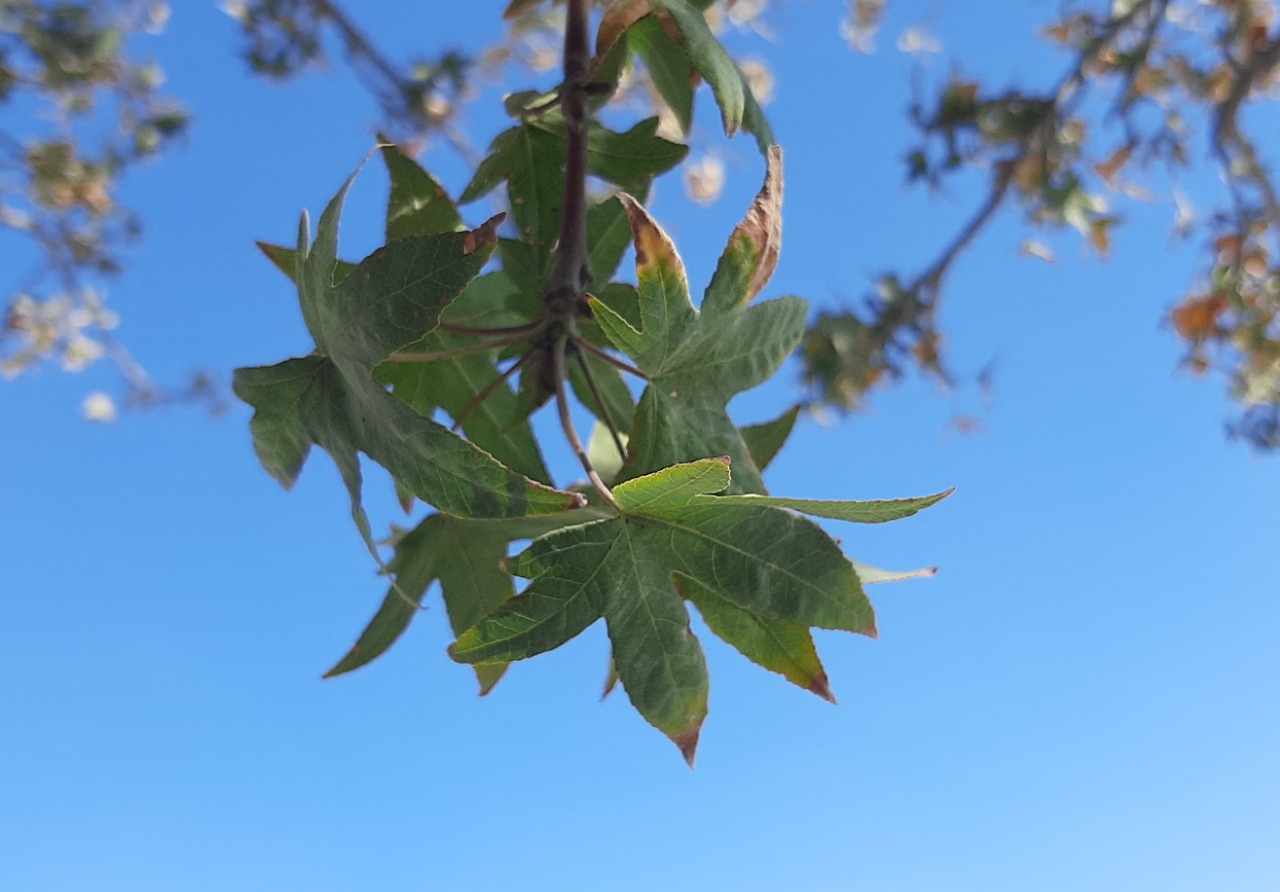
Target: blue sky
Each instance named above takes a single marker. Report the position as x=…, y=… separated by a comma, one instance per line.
x=1083, y=698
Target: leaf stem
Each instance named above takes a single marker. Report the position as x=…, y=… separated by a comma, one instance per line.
x=566, y=422
x=606, y=415
x=583, y=344
x=492, y=387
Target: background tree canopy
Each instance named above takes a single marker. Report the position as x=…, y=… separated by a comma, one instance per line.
x=1149, y=94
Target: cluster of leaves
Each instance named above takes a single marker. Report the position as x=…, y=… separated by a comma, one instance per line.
x=60, y=170
x=424, y=325
x=1153, y=76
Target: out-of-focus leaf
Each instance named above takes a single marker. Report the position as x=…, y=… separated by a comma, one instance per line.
x=669, y=67
x=738, y=107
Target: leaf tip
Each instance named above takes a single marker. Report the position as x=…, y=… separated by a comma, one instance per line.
x=688, y=744
x=489, y=681
x=610, y=682
x=822, y=687
x=871, y=631
x=486, y=235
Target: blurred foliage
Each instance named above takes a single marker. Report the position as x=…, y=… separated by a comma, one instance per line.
x=78, y=110
x=1145, y=85
x=1148, y=83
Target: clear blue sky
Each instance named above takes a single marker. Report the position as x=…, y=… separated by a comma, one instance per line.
x=1083, y=698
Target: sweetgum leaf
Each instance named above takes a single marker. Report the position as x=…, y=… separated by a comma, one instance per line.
x=738, y=107
x=530, y=158
x=669, y=67
x=775, y=644
x=880, y=511
x=418, y=204
x=670, y=60
x=465, y=557
x=697, y=362
x=495, y=424
x=635, y=569
x=330, y=398
x=617, y=19
x=764, y=441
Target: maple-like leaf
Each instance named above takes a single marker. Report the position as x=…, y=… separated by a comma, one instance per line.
x=530, y=159
x=761, y=575
x=330, y=398
x=464, y=556
x=697, y=361
x=670, y=58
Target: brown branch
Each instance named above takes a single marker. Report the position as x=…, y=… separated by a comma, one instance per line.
x=571, y=271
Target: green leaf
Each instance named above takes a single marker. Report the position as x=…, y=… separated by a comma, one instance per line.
x=630, y=159
x=608, y=235
x=331, y=399
x=777, y=645
x=547, y=615
x=286, y=260
x=856, y=512
x=602, y=452
x=767, y=564
x=418, y=205
x=454, y=383
x=765, y=441
x=754, y=247
x=530, y=159
x=465, y=557
x=696, y=363
x=674, y=487
x=669, y=67
x=738, y=107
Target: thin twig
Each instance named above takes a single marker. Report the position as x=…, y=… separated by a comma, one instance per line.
x=566, y=422
x=583, y=344
x=492, y=387
x=606, y=415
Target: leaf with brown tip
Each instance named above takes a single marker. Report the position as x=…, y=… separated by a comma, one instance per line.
x=777, y=645
x=752, y=254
